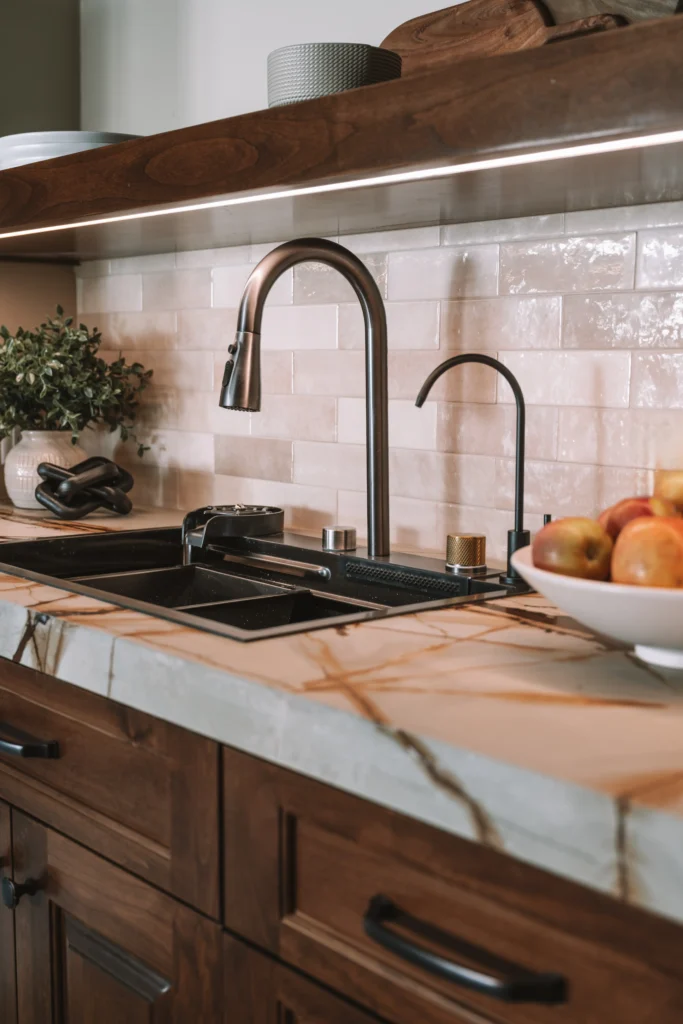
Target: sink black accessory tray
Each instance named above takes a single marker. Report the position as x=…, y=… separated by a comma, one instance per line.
x=92, y=484
x=214, y=522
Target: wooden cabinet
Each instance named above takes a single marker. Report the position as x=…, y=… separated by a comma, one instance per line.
x=141, y=792
x=8, y=992
x=260, y=990
x=305, y=865
x=95, y=943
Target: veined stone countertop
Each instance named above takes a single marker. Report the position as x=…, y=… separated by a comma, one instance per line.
x=506, y=723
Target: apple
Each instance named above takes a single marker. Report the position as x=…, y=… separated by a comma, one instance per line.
x=669, y=486
x=574, y=547
x=615, y=518
x=649, y=553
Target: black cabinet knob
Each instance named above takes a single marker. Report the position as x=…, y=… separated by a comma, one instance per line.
x=13, y=891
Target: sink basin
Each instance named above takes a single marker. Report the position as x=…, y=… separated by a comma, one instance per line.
x=246, y=588
x=179, y=586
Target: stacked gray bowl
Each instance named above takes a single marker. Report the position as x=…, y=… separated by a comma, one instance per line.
x=306, y=71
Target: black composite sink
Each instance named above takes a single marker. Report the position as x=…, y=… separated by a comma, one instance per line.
x=247, y=589
x=180, y=586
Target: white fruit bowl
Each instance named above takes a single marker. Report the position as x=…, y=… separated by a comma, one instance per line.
x=647, y=618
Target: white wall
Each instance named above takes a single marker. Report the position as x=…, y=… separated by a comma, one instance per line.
x=152, y=65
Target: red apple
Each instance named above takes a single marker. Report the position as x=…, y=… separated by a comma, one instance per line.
x=649, y=553
x=573, y=547
x=615, y=518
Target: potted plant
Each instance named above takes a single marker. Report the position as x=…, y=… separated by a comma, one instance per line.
x=53, y=384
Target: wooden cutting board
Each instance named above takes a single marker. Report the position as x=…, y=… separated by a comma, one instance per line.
x=484, y=28
x=634, y=10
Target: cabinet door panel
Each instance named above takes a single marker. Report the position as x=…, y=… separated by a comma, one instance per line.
x=8, y=992
x=97, y=944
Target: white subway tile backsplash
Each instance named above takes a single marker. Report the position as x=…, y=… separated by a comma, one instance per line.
x=184, y=371
x=409, y=427
x=299, y=327
x=657, y=381
x=596, y=379
x=492, y=430
x=507, y=322
x=563, y=489
x=390, y=241
x=114, y=294
x=617, y=437
x=624, y=218
x=136, y=331
x=329, y=465
x=320, y=283
x=143, y=264
x=660, y=259
x=257, y=457
x=600, y=363
x=503, y=230
x=568, y=265
x=443, y=273
x=410, y=325
x=468, y=383
x=623, y=320
x=329, y=373
x=287, y=416
x=229, y=282
x=177, y=289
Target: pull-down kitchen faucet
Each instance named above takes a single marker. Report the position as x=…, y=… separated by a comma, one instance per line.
x=242, y=378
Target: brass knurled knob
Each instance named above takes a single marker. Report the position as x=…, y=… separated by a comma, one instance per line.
x=466, y=550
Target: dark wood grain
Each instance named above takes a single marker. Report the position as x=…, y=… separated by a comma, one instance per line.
x=8, y=990
x=597, y=87
x=483, y=28
x=97, y=944
x=336, y=852
x=634, y=10
x=259, y=990
x=139, y=791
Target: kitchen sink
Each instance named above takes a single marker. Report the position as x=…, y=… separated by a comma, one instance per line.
x=247, y=588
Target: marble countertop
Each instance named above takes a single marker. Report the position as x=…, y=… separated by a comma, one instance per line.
x=506, y=722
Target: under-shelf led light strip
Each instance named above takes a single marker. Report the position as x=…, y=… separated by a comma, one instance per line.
x=397, y=178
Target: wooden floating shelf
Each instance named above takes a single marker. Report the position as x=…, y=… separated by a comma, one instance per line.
x=583, y=124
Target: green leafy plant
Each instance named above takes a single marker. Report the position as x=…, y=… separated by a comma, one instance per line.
x=53, y=379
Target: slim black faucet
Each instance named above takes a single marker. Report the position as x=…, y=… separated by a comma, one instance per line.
x=518, y=537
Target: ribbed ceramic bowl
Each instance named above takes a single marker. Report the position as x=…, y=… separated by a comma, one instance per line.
x=306, y=71
x=647, y=618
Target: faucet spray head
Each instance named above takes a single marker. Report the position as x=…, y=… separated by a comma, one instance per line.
x=241, y=388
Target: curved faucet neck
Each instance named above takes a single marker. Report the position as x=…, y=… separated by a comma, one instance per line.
x=241, y=384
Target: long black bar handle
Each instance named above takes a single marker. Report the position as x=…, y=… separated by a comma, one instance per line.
x=514, y=985
x=19, y=744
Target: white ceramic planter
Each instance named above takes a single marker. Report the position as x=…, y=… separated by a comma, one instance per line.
x=36, y=446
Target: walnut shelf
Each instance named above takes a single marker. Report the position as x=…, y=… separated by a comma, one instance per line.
x=607, y=88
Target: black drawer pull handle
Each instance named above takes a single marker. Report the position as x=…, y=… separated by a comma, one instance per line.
x=510, y=983
x=19, y=744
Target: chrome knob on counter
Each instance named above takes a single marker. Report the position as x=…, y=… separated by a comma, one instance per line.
x=466, y=552
x=339, y=538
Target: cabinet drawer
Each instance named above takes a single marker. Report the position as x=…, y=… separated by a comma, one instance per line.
x=139, y=791
x=303, y=864
x=260, y=990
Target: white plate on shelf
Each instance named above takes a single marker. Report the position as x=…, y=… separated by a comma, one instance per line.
x=647, y=618
x=32, y=147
